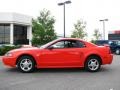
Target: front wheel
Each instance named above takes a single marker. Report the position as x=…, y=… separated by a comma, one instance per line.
x=93, y=64
x=26, y=64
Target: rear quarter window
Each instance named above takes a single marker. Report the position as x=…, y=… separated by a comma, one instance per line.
x=81, y=44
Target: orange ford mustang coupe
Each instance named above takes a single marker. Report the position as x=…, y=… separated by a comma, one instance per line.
x=60, y=53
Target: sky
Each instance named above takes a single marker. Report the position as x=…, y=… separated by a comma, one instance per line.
x=90, y=11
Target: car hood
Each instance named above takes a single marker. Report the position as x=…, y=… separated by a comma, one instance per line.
x=25, y=49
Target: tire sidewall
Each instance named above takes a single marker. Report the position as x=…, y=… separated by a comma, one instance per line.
x=26, y=57
x=86, y=64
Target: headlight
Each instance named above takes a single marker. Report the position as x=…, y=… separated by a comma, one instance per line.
x=8, y=54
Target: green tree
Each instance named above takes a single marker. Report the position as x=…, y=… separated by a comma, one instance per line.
x=43, y=28
x=96, y=34
x=93, y=41
x=79, y=30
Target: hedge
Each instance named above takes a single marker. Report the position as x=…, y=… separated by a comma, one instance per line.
x=5, y=49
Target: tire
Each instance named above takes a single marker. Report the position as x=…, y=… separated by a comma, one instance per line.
x=93, y=64
x=117, y=51
x=26, y=64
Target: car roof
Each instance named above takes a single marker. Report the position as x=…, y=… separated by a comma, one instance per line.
x=70, y=39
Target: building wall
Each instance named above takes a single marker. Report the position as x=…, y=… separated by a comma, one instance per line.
x=17, y=19
x=114, y=35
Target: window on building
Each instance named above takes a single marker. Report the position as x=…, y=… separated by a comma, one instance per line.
x=20, y=34
x=4, y=34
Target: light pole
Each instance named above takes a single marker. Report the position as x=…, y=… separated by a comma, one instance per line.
x=60, y=4
x=103, y=20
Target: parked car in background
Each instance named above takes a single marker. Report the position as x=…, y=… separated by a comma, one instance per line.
x=114, y=45
x=60, y=53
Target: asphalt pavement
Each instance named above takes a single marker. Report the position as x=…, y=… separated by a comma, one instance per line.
x=108, y=78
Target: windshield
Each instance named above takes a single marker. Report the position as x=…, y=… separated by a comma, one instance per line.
x=45, y=45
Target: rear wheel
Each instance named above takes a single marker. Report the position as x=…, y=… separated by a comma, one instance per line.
x=93, y=64
x=26, y=64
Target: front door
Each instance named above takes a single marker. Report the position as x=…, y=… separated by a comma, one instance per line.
x=63, y=53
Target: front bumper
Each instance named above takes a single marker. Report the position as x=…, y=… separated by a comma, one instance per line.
x=9, y=61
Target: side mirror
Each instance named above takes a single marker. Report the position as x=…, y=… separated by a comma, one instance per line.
x=50, y=48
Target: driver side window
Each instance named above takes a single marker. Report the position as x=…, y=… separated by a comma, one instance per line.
x=58, y=45
x=68, y=44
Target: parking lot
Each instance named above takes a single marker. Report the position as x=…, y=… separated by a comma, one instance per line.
x=108, y=78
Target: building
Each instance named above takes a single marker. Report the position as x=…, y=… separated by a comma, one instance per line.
x=15, y=28
x=114, y=35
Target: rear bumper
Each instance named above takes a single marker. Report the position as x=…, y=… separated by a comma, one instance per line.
x=108, y=59
x=9, y=61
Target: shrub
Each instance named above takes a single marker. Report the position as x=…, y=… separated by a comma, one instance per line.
x=5, y=49
x=93, y=41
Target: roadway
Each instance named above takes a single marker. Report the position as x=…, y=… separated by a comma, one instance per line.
x=108, y=78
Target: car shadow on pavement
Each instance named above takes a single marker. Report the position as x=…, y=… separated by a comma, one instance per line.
x=70, y=70
x=12, y=70
x=59, y=70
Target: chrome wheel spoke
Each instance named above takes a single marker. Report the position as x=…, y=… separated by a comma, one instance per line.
x=93, y=64
x=92, y=68
x=26, y=64
x=89, y=65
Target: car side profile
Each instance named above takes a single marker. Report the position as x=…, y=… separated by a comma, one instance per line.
x=60, y=53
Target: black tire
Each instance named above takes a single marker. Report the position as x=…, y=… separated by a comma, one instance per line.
x=93, y=64
x=117, y=51
x=26, y=64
